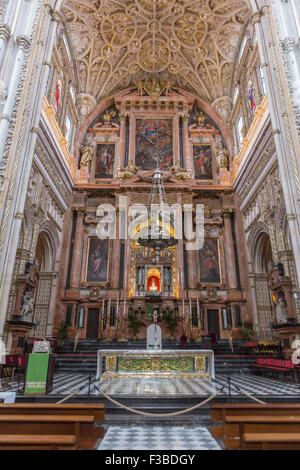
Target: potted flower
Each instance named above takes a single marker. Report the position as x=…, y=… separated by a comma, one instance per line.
x=171, y=319
x=134, y=324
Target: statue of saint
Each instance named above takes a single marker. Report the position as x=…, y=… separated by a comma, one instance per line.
x=129, y=171
x=281, y=310
x=222, y=157
x=27, y=306
x=179, y=172
x=86, y=151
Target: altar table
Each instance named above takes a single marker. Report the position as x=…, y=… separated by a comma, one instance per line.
x=161, y=362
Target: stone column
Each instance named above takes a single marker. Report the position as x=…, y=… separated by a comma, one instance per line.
x=115, y=274
x=131, y=152
x=77, y=250
x=186, y=146
x=281, y=116
x=229, y=250
x=122, y=142
x=191, y=256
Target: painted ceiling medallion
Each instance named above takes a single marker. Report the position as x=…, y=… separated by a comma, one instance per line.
x=115, y=43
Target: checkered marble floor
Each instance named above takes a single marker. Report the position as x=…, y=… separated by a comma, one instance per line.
x=63, y=384
x=158, y=438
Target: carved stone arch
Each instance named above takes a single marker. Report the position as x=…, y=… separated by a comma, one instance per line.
x=47, y=246
x=260, y=250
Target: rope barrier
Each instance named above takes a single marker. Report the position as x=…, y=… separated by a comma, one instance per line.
x=249, y=395
x=144, y=413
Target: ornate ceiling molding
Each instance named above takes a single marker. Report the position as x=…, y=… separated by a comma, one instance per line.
x=115, y=43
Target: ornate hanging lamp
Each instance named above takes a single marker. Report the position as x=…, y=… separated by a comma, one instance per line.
x=158, y=239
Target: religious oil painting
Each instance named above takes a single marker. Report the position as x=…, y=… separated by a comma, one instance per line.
x=209, y=261
x=97, y=260
x=105, y=161
x=203, y=162
x=154, y=138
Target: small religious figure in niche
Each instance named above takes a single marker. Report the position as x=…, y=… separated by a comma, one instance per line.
x=129, y=171
x=222, y=157
x=87, y=152
x=27, y=305
x=251, y=96
x=107, y=117
x=281, y=309
x=179, y=172
x=58, y=93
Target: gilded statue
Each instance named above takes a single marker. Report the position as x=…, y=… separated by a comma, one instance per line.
x=179, y=172
x=222, y=157
x=200, y=119
x=107, y=117
x=129, y=171
x=153, y=87
x=86, y=151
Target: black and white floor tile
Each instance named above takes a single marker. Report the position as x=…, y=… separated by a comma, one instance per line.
x=64, y=383
x=158, y=438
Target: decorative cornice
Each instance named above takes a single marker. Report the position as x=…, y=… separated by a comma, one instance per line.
x=48, y=113
x=4, y=31
x=289, y=44
x=260, y=117
x=23, y=42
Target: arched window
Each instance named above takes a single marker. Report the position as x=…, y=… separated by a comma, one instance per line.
x=239, y=127
x=262, y=79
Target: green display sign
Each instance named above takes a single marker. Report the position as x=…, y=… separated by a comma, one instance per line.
x=36, y=375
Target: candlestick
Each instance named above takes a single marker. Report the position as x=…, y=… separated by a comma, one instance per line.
x=123, y=339
x=199, y=339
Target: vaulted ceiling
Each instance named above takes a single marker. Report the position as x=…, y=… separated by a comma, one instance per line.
x=115, y=43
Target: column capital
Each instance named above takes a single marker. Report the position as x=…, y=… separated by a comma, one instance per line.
x=123, y=117
x=227, y=213
x=81, y=211
x=55, y=16
x=256, y=18
x=185, y=117
x=4, y=31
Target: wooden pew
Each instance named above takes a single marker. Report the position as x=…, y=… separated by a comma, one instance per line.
x=237, y=419
x=37, y=442
x=82, y=427
x=271, y=441
x=237, y=426
x=96, y=409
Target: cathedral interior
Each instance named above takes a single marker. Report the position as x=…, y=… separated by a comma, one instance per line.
x=104, y=105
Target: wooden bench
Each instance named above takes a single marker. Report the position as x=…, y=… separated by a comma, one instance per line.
x=237, y=426
x=233, y=417
x=81, y=426
x=96, y=409
x=37, y=442
x=271, y=441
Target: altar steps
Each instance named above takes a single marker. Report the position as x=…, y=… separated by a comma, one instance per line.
x=85, y=356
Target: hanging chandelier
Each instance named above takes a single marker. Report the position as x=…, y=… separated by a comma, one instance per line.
x=160, y=238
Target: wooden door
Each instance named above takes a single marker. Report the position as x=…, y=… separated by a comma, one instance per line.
x=92, y=323
x=213, y=322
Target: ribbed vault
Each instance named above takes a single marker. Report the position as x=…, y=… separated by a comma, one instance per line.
x=115, y=43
